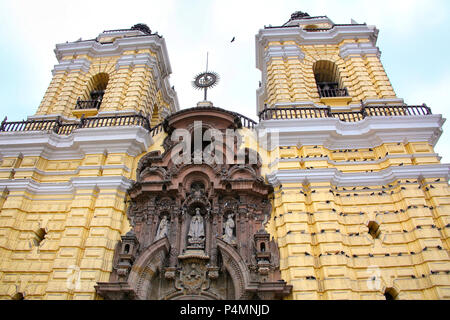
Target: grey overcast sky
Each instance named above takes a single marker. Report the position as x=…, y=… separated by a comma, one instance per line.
x=414, y=40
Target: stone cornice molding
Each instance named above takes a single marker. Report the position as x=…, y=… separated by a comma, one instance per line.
x=348, y=50
x=283, y=51
x=66, y=172
x=130, y=140
x=71, y=187
x=334, y=36
x=338, y=178
x=95, y=49
x=72, y=65
x=368, y=133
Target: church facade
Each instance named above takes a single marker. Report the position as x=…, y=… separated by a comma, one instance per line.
x=111, y=191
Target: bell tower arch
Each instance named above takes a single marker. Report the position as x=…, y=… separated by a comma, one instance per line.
x=124, y=71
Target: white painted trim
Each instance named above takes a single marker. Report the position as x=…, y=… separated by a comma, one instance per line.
x=52, y=117
x=368, y=133
x=132, y=140
x=96, y=49
x=65, y=172
x=283, y=51
x=339, y=178
x=70, y=187
x=349, y=50
x=385, y=101
x=72, y=65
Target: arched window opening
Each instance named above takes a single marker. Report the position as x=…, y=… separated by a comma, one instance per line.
x=374, y=229
x=39, y=237
x=328, y=80
x=390, y=294
x=94, y=92
x=18, y=296
x=263, y=247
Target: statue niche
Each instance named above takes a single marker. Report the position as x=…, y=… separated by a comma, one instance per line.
x=229, y=235
x=196, y=234
x=198, y=229
x=163, y=228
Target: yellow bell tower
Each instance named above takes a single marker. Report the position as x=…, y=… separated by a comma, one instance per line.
x=360, y=208
x=119, y=71
x=64, y=172
x=313, y=60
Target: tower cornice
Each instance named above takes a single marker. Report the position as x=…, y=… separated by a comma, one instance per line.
x=334, y=35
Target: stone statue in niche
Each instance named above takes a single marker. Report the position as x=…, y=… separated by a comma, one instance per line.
x=196, y=235
x=163, y=229
x=229, y=230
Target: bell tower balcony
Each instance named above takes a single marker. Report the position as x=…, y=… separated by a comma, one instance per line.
x=331, y=95
x=87, y=107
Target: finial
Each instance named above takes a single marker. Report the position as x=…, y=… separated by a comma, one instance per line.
x=205, y=80
x=299, y=15
x=142, y=27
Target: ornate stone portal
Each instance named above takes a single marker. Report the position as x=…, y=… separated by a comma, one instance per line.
x=198, y=228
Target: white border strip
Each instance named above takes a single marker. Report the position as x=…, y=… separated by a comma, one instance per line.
x=338, y=178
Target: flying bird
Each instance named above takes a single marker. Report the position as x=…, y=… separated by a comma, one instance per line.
x=234, y=38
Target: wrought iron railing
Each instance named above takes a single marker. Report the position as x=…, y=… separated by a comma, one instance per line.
x=62, y=127
x=348, y=116
x=334, y=92
x=88, y=104
x=246, y=122
x=320, y=29
x=58, y=126
x=316, y=29
x=157, y=129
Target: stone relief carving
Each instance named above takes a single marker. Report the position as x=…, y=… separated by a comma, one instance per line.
x=199, y=234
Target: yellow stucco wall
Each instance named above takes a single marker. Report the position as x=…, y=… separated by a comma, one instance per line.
x=323, y=230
